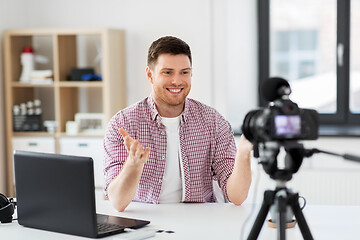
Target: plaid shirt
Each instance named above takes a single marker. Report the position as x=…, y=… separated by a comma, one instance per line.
x=207, y=148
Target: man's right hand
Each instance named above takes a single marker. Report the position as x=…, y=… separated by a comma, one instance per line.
x=122, y=188
x=137, y=155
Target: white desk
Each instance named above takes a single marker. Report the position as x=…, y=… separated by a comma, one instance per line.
x=212, y=221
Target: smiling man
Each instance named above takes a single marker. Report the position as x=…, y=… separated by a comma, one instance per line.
x=169, y=148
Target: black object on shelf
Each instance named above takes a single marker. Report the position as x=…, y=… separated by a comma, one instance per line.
x=77, y=73
x=23, y=123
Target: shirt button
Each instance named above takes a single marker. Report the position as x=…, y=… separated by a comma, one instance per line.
x=160, y=181
x=163, y=157
x=162, y=133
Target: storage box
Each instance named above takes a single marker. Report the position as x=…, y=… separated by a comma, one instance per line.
x=23, y=123
x=34, y=144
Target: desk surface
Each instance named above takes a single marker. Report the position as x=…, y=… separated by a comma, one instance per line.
x=211, y=221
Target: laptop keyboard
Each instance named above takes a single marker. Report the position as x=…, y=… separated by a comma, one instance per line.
x=108, y=227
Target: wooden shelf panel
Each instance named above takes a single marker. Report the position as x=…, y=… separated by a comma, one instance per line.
x=33, y=134
x=80, y=84
x=57, y=134
x=20, y=84
x=60, y=84
x=63, y=134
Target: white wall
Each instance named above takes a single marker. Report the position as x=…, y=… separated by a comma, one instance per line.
x=241, y=69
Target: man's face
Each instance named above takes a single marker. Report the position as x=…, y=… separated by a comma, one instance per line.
x=171, y=79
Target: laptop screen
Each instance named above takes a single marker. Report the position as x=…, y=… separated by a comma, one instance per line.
x=55, y=192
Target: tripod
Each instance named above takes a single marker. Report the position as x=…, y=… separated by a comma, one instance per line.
x=281, y=197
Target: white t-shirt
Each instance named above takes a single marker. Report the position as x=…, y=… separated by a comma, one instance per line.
x=172, y=183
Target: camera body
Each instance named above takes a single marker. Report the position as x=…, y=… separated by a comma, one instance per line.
x=282, y=120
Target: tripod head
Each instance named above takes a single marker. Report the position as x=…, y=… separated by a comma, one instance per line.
x=268, y=152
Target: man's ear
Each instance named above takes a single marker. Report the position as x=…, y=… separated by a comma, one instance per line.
x=149, y=74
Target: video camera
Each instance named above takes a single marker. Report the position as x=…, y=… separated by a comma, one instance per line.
x=282, y=119
x=275, y=128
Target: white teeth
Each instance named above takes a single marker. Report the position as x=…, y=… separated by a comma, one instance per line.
x=175, y=90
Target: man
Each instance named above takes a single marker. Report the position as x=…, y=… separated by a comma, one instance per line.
x=169, y=148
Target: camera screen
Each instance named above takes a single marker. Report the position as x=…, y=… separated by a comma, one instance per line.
x=287, y=125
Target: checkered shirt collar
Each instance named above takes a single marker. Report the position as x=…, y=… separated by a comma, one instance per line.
x=155, y=116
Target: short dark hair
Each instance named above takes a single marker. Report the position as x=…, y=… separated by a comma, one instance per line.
x=168, y=44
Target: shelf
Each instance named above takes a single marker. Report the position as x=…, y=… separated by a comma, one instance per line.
x=57, y=134
x=81, y=84
x=63, y=134
x=60, y=84
x=31, y=85
x=33, y=134
x=61, y=100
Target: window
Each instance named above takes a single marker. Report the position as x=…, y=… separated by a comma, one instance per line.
x=293, y=53
x=355, y=57
x=314, y=45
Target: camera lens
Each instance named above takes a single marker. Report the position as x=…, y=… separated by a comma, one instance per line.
x=248, y=125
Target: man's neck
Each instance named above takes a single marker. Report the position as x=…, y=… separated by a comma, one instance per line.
x=169, y=111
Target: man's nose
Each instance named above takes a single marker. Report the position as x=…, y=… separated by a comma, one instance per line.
x=177, y=79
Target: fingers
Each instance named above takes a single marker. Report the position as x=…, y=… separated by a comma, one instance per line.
x=127, y=139
x=123, y=132
x=137, y=152
x=244, y=140
x=244, y=147
x=145, y=155
x=134, y=149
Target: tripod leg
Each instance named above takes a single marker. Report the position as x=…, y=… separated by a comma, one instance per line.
x=260, y=219
x=304, y=228
x=281, y=205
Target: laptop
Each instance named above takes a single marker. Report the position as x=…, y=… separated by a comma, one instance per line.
x=56, y=193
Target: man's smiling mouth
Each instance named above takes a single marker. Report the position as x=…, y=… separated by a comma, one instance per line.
x=174, y=90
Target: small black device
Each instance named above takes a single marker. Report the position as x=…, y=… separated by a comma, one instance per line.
x=7, y=207
x=77, y=73
x=56, y=192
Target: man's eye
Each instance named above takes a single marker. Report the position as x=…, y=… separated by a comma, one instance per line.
x=185, y=72
x=167, y=72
